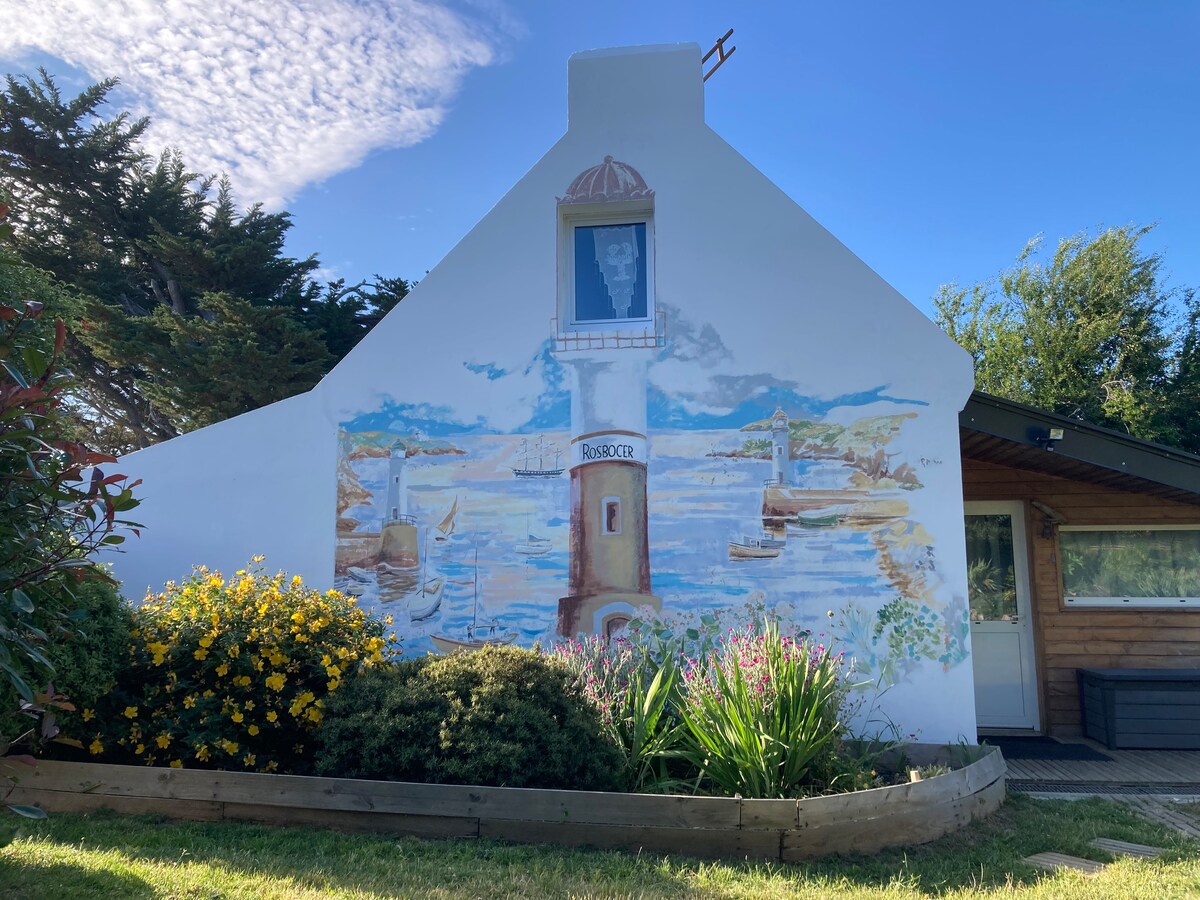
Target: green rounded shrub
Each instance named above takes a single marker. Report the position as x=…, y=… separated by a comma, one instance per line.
x=88, y=656
x=498, y=716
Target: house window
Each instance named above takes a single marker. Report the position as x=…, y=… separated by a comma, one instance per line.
x=611, y=280
x=607, y=266
x=1130, y=567
x=610, y=515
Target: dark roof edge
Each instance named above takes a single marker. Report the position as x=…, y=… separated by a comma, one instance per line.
x=1082, y=441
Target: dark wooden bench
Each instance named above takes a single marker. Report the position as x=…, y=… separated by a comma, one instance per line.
x=1145, y=709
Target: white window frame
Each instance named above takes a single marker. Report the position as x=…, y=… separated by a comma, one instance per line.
x=604, y=502
x=586, y=215
x=1152, y=603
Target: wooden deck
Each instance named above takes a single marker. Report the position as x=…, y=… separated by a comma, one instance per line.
x=1162, y=785
x=1174, y=768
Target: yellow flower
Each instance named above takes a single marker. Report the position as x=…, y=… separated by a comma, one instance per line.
x=333, y=671
x=95, y=747
x=200, y=654
x=313, y=714
x=222, y=670
x=206, y=641
x=208, y=693
x=139, y=749
x=257, y=558
x=242, y=681
x=237, y=717
x=332, y=684
x=388, y=620
x=275, y=682
x=163, y=741
x=248, y=759
x=189, y=702
x=272, y=716
x=88, y=715
x=272, y=766
x=177, y=764
x=202, y=753
x=252, y=730
x=131, y=712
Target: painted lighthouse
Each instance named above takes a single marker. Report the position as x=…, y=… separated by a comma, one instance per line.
x=606, y=334
x=398, y=538
x=781, y=454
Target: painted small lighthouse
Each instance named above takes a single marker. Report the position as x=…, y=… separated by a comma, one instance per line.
x=605, y=335
x=780, y=449
x=398, y=540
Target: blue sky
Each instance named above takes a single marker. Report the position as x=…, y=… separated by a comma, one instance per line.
x=933, y=139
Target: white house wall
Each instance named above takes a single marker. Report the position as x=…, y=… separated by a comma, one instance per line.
x=762, y=308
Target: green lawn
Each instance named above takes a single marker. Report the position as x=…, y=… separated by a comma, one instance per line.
x=106, y=855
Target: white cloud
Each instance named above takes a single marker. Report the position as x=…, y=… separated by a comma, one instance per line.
x=277, y=94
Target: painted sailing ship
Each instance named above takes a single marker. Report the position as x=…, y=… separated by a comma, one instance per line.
x=540, y=451
x=472, y=640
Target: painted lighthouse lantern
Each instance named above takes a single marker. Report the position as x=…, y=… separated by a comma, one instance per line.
x=606, y=334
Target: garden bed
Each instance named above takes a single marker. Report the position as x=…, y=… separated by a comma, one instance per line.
x=787, y=830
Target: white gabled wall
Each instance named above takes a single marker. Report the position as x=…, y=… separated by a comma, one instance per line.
x=736, y=258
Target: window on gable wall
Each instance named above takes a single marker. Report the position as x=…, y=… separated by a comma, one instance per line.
x=1130, y=567
x=609, y=272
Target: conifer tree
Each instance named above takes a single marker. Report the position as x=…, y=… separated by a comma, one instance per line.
x=181, y=310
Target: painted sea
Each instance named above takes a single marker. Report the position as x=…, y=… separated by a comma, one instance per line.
x=503, y=564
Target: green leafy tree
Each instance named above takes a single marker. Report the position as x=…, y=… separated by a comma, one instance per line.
x=57, y=505
x=1092, y=331
x=182, y=311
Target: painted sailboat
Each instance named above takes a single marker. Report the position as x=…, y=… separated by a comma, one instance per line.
x=541, y=451
x=472, y=640
x=534, y=546
x=446, y=526
x=753, y=548
x=424, y=602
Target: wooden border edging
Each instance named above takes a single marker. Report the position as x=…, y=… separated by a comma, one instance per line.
x=788, y=830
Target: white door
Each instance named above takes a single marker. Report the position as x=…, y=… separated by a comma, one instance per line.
x=1001, y=623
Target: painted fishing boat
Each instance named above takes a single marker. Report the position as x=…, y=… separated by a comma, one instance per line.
x=363, y=576
x=541, y=450
x=534, y=546
x=818, y=521
x=752, y=549
x=446, y=526
x=767, y=543
x=347, y=586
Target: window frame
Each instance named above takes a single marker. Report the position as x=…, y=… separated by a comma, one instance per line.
x=587, y=215
x=1158, y=604
x=604, y=504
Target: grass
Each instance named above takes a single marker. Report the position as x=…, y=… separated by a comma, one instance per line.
x=105, y=855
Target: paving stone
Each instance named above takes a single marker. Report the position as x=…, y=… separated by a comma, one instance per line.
x=1124, y=848
x=1055, y=861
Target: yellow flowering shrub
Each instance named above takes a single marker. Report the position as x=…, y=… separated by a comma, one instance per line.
x=234, y=672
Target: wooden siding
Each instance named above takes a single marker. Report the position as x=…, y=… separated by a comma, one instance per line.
x=1070, y=639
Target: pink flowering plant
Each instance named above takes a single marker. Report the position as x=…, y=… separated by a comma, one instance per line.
x=635, y=689
x=762, y=713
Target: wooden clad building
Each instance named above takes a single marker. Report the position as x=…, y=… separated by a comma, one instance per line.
x=1083, y=552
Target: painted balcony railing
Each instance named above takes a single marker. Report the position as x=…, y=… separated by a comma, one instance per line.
x=402, y=520
x=597, y=337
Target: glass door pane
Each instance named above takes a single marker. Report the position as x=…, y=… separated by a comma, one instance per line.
x=991, y=568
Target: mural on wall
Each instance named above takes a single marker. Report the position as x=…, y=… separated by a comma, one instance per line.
x=648, y=488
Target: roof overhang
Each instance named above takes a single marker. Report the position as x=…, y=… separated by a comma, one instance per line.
x=1000, y=431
